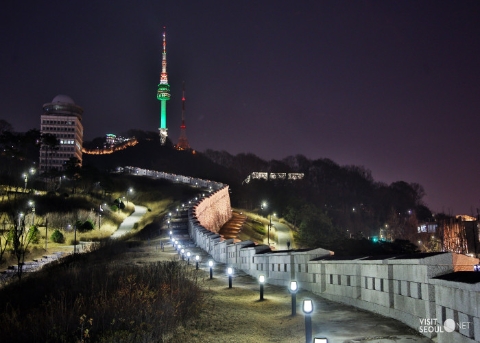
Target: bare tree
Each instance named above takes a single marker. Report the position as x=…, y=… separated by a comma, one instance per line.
x=20, y=239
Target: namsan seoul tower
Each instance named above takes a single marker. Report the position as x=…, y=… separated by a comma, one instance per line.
x=183, y=141
x=163, y=94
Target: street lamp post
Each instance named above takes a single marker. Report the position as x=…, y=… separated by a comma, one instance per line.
x=308, y=309
x=130, y=190
x=32, y=205
x=74, y=238
x=25, y=178
x=261, y=280
x=100, y=216
x=229, y=272
x=210, y=264
x=293, y=291
x=46, y=234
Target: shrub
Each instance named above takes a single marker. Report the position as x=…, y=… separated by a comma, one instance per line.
x=87, y=225
x=34, y=234
x=57, y=237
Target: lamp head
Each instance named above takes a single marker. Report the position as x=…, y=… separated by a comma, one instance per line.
x=308, y=306
x=293, y=286
x=210, y=263
x=197, y=258
x=188, y=254
x=261, y=279
x=229, y=270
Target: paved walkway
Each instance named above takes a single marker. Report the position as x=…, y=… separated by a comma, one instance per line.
x=130, y=221
x=338, y=322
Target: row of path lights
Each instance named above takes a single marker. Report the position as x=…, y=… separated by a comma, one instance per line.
x=307, y=308
x=293, y=288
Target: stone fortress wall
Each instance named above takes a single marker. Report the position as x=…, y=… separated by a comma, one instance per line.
x=400, y=287
x=396, y=287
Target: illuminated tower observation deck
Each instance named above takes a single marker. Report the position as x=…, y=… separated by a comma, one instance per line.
x=163, y=94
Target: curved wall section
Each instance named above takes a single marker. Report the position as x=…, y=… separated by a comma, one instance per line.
x=214, y=211
x=414, y=289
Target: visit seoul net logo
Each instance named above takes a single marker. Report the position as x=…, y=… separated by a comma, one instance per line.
x=430, y=325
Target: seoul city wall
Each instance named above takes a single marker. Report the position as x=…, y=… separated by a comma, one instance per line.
x=408, y=288
x=403, y=287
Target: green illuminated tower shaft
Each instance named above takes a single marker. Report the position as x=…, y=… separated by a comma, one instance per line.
x=163, y=94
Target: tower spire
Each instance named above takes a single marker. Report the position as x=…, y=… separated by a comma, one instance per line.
x=183, y=141
x=163, y=93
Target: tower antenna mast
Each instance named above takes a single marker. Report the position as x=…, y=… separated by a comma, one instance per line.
x=183, y=141
x=163, y=93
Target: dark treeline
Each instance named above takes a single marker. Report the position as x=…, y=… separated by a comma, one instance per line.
x=332, y=202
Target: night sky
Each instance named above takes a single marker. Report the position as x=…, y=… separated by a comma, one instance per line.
x=389, y=85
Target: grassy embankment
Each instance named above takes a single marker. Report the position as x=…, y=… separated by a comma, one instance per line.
x=96, y=298
x=254, y=228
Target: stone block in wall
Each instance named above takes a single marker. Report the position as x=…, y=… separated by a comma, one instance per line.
x=404, y=288
x=378, y=284
x=415, y=290
x=476, y=328
x=465, y=325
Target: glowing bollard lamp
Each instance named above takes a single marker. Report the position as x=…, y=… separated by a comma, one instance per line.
x=170, y=232
x=293, y=291
x=197, y=258
x=182, y=252
x=229, y=272
x=261, y=280
x=308, y=309
x=210, y=264
x=188, y=257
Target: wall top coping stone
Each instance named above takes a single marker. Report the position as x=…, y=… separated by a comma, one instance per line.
x=468, y=281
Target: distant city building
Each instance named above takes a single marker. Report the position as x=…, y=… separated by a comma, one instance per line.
x=112, y=140
x=273, y=176
x=63, y=119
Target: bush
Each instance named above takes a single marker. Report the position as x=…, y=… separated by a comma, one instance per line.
x=34, y=234
x=57, y=237
x=85, y=226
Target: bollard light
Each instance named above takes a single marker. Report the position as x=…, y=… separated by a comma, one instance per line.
x=308, y=309
x=210, y=264
x=229, y=272
x=197, y=258
x=293, y=291
x=320, y=340
x=182, y=252
x=188, y=257
x=261, y=280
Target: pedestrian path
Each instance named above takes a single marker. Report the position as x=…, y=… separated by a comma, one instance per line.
x=129, y=222
x=337, y=322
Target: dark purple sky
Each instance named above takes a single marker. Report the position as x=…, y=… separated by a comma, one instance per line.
x=390, y=85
